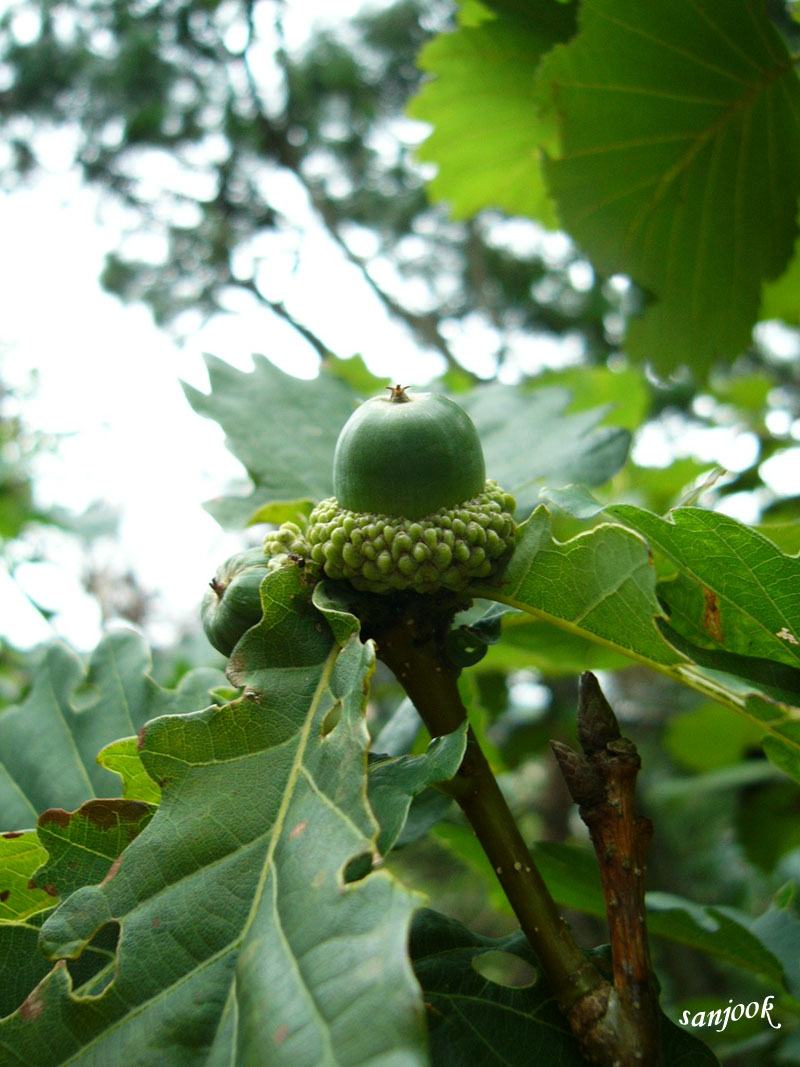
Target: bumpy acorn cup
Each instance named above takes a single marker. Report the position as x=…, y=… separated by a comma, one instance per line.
x=412, y=506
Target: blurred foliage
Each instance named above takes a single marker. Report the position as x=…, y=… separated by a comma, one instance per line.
x=224, y=134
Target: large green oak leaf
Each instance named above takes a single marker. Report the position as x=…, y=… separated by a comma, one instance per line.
x=679, y=163
x=241, y=938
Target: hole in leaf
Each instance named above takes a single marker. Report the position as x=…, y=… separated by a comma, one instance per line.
x=358, y=867
x=504, y=968
x=95, y=968
x=331, y=719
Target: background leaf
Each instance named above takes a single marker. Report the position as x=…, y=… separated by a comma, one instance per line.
x=473, y=1019
x=48, y=744
x=723, y=933
x=483, y=104
x=529, y=438
x=679, y=163
x=283, y=430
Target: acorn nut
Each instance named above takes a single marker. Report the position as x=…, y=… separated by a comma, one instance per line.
x=232, y=603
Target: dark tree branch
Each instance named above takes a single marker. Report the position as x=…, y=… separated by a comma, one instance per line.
x=602, y=782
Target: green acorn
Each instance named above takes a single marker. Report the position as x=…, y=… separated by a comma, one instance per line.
x=412, y=506
x=232, y=603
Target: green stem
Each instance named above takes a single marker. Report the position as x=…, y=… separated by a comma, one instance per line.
x=431, y=683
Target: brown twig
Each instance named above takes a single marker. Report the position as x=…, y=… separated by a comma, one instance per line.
x=602, y=782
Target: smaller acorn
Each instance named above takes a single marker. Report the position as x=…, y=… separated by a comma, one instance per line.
x=232, y=603
x=412, y=507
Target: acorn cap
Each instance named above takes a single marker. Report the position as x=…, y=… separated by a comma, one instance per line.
x=281, y=544
x=447, y=549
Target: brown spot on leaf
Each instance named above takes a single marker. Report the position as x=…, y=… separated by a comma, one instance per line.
x=280, y=1035
x=712, y=623
x=155, y=922
x=13, y=833
x=140, y=738
x=50, y=889
x=298, y=829
x=107, y=814
x=32, y=1007
x=57, y=816
x=4, y=895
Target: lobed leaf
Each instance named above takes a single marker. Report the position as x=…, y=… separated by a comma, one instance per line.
x=735, y=590
x=240, y=937
x=48, y=744
x=21, y=965
x=394, y=781
x=122, y=757
x=600, y=584
x=82, y=845
x=744, y=608
x=282, y=429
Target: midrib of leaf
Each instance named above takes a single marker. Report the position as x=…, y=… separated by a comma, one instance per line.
x=277, y=827
x=10, y=780
x=294, y=773
x=489, y=593
x=302, y=984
